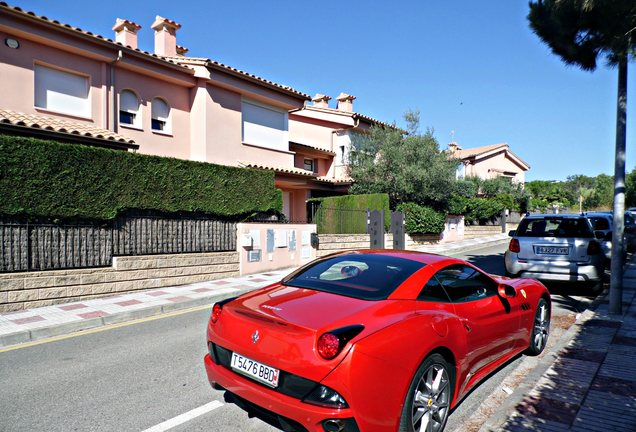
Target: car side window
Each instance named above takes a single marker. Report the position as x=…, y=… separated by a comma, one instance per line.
x=464, y=283
x=433, y=291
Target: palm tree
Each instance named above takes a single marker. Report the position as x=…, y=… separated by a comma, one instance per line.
x=581, y=31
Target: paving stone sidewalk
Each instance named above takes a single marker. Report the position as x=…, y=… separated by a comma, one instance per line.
x=35, y=324
x=591, y=386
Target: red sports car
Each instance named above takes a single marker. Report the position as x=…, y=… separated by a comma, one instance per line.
x=374, y=340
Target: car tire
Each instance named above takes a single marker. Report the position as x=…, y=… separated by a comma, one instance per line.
x=429, y=396
x=540, y=329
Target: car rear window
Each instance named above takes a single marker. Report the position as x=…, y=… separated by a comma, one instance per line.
x=555, y=226
x=367, y=277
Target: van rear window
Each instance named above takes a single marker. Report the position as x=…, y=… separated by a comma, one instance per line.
x=555, y=227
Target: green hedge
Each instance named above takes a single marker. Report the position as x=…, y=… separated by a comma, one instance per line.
x=478, y=210
x=42, y=178
x=346, y=214
x=421, y=220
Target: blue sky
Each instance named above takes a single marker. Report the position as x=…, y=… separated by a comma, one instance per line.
x=471, y=67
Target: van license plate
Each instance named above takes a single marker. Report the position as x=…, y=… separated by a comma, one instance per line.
x=552, y=250
x=255, y=370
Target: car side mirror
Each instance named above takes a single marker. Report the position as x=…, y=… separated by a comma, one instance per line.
x=600, y=235
x=506, y=291
x=512, y=233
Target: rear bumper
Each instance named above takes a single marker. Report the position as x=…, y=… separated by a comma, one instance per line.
x=554, y=270
x=311, y=417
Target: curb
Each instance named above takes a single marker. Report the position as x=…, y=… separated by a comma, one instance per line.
x=501, y=415
x=26, y=336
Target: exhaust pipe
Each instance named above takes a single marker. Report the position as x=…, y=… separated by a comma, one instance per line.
x=333, y=425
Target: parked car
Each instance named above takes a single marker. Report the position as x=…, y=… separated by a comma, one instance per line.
x=375, y=340
x=604, y=221
x=557, y=248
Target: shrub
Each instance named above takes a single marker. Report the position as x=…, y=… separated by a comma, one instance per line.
x=42, y=178
x=422, y=220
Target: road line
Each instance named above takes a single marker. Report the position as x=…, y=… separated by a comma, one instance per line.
x=104, y=328
x=185, y=417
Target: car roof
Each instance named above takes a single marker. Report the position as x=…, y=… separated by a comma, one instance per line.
x=423, y=257
x=555, y=215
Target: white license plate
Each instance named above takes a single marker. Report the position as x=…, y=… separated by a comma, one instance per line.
x=552, y=250
x=253, y=369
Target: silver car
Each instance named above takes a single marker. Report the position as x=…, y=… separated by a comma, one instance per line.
x=556, y=248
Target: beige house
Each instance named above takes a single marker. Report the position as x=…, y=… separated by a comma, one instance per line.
x=489, y=162
x=70, y=84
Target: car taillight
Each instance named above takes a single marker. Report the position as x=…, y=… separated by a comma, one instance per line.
x=328, y=345
x=514, y=246
x=593, y=248
x=216, y=313
x=331, y=343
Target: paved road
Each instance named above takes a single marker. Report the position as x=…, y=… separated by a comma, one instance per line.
x=138, y=376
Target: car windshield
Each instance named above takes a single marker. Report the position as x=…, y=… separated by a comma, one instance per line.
x=363, y=276
x=555, y=227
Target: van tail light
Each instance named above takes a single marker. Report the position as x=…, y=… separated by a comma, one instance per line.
x=331, y=343
x=593, y=248
x=514, y=246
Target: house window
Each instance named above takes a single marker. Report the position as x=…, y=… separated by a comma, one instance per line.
x=264, y=126
x=62, y=92
x=308, y=164
x=129, y=109
x=160, y=116
x=460, y=172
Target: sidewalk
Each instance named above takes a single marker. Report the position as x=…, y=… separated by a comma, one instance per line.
x=35, y=324
x=591, y=385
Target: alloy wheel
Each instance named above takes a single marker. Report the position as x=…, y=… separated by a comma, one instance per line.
x=431, y=400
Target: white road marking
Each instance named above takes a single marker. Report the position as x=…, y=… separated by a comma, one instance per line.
x=185, y=417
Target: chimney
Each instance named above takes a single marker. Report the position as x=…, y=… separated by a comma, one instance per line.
x=321, y=100
x=345, y=102
x=165, y=36
x=453, y=147
x=126, y=32
x=181, y=51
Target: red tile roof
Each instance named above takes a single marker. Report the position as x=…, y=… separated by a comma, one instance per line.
x=93, y=36
x=54, y=124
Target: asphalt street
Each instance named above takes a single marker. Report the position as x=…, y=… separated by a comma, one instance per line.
x=149, y=376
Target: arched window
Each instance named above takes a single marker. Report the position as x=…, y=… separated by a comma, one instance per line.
x=129, y=113
x=160, y=115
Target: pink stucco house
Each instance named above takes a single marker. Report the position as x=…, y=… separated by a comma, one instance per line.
x=489, y=162
x=70, y=84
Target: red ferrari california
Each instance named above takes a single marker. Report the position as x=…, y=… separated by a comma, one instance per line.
x=374, y=340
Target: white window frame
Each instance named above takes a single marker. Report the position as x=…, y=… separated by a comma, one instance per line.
x=61, y=91
x=137, y=122
x=167, y=120
x=264, y=125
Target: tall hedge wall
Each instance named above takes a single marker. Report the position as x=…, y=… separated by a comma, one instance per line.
x=49, y=179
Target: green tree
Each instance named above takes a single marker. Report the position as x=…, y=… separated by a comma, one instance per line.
x=409, y=167
x=580, y=31
x=630, y=189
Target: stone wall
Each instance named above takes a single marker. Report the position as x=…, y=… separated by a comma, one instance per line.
x=20, y=291
x=330, y=243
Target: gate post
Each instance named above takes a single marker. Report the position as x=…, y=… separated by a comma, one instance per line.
x=397, y=228
x=375, y=227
